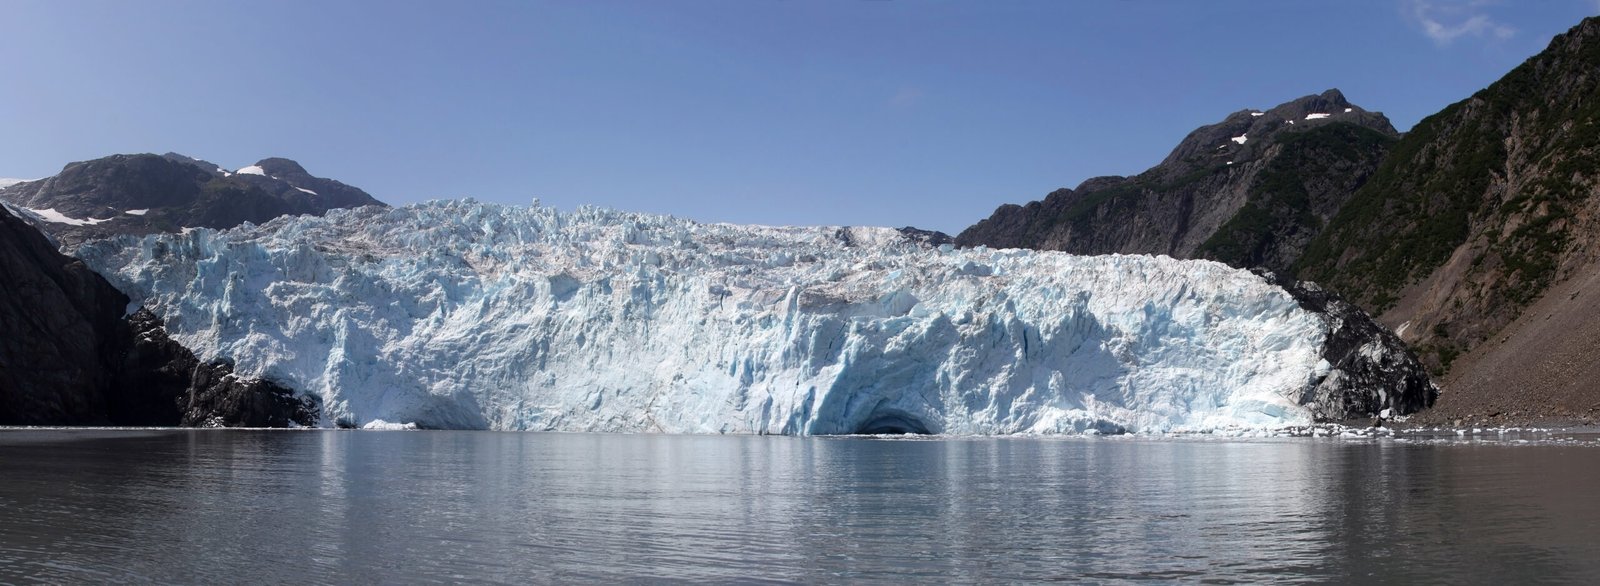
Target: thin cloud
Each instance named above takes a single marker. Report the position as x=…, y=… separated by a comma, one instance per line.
x=1445, y=21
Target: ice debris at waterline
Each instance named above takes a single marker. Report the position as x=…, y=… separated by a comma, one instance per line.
x=459, y=314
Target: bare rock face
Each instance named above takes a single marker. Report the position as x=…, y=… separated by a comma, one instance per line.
x=1251, y=191
x=61, y=323
x=1373, y=371
x=145, y=193
x=68, y=355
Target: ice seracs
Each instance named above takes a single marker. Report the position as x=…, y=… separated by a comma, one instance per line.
x=465, y=315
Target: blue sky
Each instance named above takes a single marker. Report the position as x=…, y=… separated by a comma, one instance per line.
x=876, y=112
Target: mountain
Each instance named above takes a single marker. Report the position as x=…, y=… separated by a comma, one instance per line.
x=465, y=315
x=142, y=194
x=1483, y=210
x=1250, y=191
x=73, y=355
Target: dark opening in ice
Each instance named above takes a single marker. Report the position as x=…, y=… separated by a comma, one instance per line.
x=892, y=425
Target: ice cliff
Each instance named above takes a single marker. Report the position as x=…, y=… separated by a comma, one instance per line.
x=466, y=315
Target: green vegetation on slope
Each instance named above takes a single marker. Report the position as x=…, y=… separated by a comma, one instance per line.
x=1500, y=174
x=1280, y=205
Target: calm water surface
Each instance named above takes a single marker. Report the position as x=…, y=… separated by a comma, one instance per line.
x=419, y=507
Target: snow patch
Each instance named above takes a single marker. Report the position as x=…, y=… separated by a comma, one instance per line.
x=53, y=216
x=1349, y=110
x=137, y=212
x=252, y=170
x=306, y=190
x=1317, y=116
x=1258, y=113
x=5, y=182
x=1239, y=139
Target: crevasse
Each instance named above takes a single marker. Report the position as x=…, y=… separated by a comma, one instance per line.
x=460, y=314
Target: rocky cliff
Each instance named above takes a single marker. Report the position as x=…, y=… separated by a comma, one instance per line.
x=72, y=355
x=1251, y=191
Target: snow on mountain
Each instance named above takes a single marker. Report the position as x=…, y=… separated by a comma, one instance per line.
x=252, y=170
x=5, y=182
x=467, y=315
x=51, y=215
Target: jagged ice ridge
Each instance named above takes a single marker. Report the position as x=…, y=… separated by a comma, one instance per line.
x=468, y=315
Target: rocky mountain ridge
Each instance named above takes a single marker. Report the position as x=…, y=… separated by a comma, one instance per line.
x=146, y=193
x=1250, y=190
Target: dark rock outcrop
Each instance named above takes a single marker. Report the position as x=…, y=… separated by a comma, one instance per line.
x=69, y=356
x=931, y=238
x=1374, y=373
x=143, y=194
x=1250, y=191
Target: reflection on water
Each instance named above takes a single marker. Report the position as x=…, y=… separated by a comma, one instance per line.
x=229, y=506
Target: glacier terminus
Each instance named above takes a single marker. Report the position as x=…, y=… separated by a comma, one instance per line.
x=460, y=314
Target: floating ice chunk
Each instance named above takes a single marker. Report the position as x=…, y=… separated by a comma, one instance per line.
x=380, y=424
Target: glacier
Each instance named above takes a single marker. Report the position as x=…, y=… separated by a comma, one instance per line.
x=461, y=314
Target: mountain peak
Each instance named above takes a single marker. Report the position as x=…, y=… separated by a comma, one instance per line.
x=143, y=193
x=1316, y=106
x=281, y=167
x=1242, y=135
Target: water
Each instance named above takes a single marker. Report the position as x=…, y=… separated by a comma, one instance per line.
x=421, y=507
